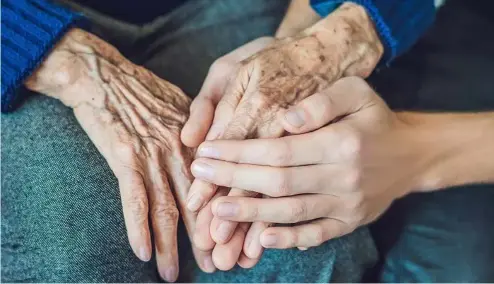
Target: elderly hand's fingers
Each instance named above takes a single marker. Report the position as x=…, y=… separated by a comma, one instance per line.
x=135, y=209
x=200, y=119
x=246, y=262
x=222, y=230
x=344, y=97
x=203, y=107
x=199, y=194
x=225, y=256
x=252, y=245
x=164, y=219
x=275, y=182
x=306, y=235
x=285, y=210
x=202, y=237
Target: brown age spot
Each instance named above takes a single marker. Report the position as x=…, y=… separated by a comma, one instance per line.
x=322, y=58
x=280, y=73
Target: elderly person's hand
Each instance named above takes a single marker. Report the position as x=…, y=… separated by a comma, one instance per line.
x=333, y=179
x=244, y=95
x=134, y=119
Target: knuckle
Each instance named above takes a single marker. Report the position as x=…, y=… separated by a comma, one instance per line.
x=138, y=206
x=351, y=144
x=259, y=102
x=318, y=235
x=165, y=216
x=281, y=154
x=282, y=183
x=252, y=212
x=293, y=237
x=298, y=211
x=352, y=179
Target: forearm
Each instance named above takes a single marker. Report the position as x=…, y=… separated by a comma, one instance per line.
x=458, y=148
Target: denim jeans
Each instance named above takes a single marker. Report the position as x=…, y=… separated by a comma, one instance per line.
x=61, y=211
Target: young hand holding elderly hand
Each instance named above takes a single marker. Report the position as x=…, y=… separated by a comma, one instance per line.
x=246, y=91
x=347, y=173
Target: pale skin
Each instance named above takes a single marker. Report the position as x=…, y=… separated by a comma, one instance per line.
x=247, y=91
x=351, y=158
x=134, y=119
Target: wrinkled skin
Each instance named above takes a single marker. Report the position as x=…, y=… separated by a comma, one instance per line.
x=249, y=95
x=134, y=119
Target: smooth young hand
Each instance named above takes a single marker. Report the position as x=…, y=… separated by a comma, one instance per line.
x=333, y=179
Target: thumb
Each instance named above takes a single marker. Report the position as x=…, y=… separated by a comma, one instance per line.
x=345, y=97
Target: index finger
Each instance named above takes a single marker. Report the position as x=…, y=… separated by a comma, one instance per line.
x=277, y=152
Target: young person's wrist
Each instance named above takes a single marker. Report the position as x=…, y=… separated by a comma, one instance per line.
x=455, y=149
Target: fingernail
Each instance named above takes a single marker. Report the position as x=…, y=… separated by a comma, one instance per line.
x=269, y=240
x=208, y=264
x=227, y=209
x=144, y=255
x=202, y=170
x=223, y=231
x=295, y=117
x=170, y=274
x=208, y=151
x=194, y=203
x=303, y=248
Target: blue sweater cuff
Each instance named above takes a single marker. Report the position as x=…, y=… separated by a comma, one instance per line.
x=30, y=28
x=399, y=23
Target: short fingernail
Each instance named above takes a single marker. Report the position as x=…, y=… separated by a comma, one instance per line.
x=169, y=274
x=303, y=248
x=194, y=202
x=295, y=117
x=208, y=264
x=144, y=254
x=269, y=240
x=208, y=151
x=223, y=231
x=202, y=170
x=227, y=209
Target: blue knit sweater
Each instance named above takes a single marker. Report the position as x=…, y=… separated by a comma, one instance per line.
x=30, y=28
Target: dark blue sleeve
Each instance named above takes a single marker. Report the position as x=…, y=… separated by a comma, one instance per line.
x=30, y=28
x=399, y=23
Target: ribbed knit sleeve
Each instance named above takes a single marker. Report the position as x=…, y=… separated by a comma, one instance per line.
x=399, y=23
x=30, y=28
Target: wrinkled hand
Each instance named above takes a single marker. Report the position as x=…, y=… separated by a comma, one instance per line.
x=248, y=97
x=338, y=177
x=134, y=119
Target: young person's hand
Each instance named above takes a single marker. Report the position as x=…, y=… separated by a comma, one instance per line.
x=246, y=91
x=345, y=174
